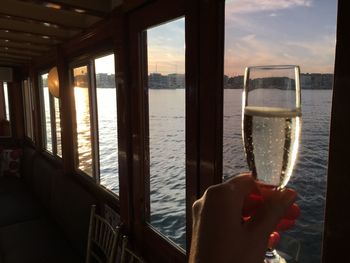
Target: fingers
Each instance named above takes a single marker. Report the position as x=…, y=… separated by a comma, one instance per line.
x=292, y=213
x=252, y=203
x=274, y=238
x=242, y=184
x=226, y=199
x=273, y=209
x=232, y=191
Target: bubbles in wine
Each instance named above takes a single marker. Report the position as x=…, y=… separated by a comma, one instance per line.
x=271, y=139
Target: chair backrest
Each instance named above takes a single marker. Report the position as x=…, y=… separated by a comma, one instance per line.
x=127, y=255
x=102, y=240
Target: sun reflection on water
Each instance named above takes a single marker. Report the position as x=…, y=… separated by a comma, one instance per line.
x=82, y=111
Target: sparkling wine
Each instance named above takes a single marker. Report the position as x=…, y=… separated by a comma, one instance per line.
x=271, y=140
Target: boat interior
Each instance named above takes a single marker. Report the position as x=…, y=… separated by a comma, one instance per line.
x=46, y=194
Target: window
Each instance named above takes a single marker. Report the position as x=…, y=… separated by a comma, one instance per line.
x=28, y=109
x=96, y=121
x=270, y=33
x=46, y=118
x=57, y=117
x=5, y=127
x=51, y=124
x=7, y=106
x=107, y=122
x=166, y=129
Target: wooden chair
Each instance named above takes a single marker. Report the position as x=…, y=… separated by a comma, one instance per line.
x=127, y=255
x=102, y=240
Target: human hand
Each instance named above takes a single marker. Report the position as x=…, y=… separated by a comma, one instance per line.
x=220, y=235
x=254, y=201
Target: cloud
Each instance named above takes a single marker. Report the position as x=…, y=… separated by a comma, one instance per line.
x=249, y=6
x=254, y=39
x=320, y=47
x=166, y=47
x=248, y=38
x=312, y=55
x=166, y=59
x=319, y=53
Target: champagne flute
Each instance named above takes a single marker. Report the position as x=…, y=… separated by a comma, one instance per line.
x=271, y=123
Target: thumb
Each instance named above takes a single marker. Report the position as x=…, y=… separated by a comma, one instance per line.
x=273, y=209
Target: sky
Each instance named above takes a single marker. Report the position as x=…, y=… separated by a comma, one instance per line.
x=166, y=47
x=257, y=32
x=105, y=64
x=267, y=32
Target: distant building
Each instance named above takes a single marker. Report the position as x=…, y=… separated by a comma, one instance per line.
x=307, y=81
x=316, y=81
x=104, y=80
x=176, y=81
x=170, y=81
x=157, y=81
x=233, y=82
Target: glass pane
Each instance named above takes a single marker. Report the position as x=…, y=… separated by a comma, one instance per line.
x=285, y=32
x=28, y=109
x=82, y=112
x=107, y=122
x=46, y=118
x=5, y=126
x=166, y=95
x=58, y=126
x=6, y=96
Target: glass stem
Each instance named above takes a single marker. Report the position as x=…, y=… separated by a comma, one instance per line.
x=271, y=256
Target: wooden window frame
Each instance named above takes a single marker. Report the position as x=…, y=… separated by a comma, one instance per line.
x=336, y=226
x=89, y=61
x=105, y=37
x=203, y=148
x=145, y=238
x=146, y=125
